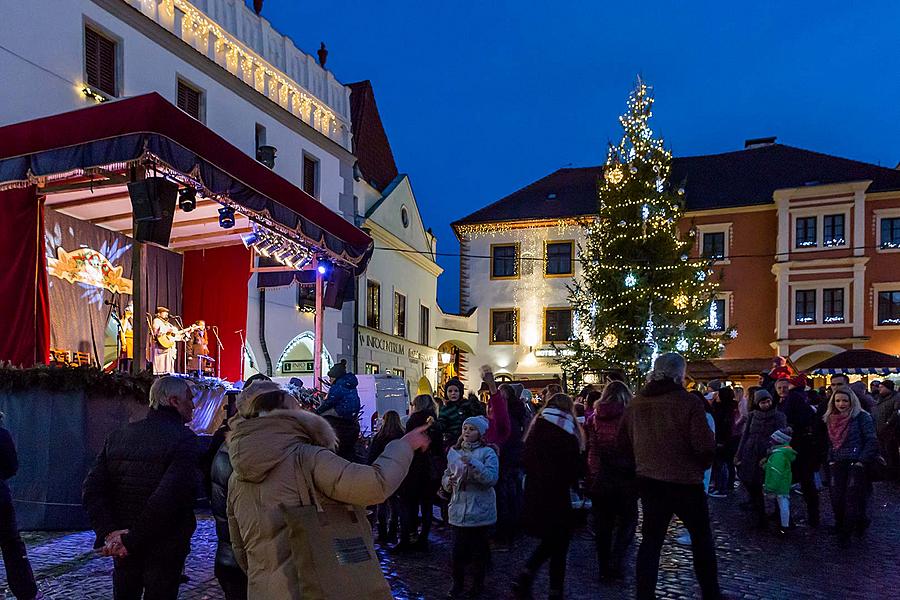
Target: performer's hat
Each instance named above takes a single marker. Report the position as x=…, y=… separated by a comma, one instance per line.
x=160, y=309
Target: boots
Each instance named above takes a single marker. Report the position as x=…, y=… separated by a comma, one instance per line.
x=521, y=587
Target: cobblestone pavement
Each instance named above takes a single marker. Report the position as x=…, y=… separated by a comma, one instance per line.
x=753, y=565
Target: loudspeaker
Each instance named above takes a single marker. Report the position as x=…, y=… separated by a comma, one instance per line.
x=153, y=206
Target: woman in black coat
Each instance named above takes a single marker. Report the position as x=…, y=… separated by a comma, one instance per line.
x=801, y=417
x=553, y=463
x=19, y=575
x=421, y=484
x=764, y=420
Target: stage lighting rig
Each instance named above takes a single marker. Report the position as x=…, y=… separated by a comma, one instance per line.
x=226, y=217
x=187, y=199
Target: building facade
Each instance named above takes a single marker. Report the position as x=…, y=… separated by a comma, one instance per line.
x=803, y=247
x=227, y=67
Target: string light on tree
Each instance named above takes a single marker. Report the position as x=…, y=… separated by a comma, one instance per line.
x=639, y=260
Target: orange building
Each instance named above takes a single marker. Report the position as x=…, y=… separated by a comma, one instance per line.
x=805, y=246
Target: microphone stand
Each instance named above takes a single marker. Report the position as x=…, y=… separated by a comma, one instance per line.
x=240, y=332
x=219, y=348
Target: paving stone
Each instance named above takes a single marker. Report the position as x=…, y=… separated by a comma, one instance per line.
x=753, y=565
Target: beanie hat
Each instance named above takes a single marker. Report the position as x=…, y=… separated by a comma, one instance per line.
x=715, y=385
x=527, y=396
x=782, y=437
x=798, y=381
x=339, y=369
x=478, y=422
x=455, y=382
x=760, y=394
x=889, y=384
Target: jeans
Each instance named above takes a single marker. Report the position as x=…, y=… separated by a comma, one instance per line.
x=470, y=546
x=233, y=582
x=660, y=500
x=849, y=495
x=19, y=575
x=887, y=442
x=555, y=548
x=510, y=499
x=151, y=577
x=615, y=520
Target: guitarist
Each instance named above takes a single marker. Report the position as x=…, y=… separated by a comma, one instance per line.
x=163, y=358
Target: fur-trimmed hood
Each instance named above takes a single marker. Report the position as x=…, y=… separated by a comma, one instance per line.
x=259, y=444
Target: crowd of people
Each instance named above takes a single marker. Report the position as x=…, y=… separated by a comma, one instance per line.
x=496, y=469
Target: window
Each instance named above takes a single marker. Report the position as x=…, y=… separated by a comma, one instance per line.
x=189, y=99
x=714, y=245
x=557, y=324
x=833, y=230
x=504, y=326
x=100, y=62
x=404, y=217
x=373, y=305
x=889, y=308
x=399, y=314
x=372, y=369
x=805, y=307
x=260, y=135
x=806, y=232
x=559, y=258
x=504, y=261
x=310, y=176
x=890, y=232
x=424, y=325
x=717, y=314
x=833, y=305
x=397, y=372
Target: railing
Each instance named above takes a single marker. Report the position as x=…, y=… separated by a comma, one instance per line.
x=267, y=61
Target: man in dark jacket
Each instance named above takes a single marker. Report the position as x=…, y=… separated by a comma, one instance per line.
x=19, y=575
x=666, y=428
x=140, y=495
x=886, y=414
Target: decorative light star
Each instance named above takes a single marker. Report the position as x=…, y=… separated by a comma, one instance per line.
x=630, y=280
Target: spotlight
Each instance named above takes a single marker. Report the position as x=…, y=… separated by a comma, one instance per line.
x=187, y=199
x=298, y=261
x=323, y=267
x=226, y=217
x=250, y=239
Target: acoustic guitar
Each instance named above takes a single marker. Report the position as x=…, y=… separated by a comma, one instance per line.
x=170, y=338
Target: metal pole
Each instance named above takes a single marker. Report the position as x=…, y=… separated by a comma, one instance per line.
x=320, y=323
x=139, y=321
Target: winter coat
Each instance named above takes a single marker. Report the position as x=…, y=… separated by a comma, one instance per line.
x=552, y=462
x=452, y=415
x=755, y=442
x=145, y=480
x=610, y=465
x=342, y=398
x=807, y=437
x=379, y=443
x=267, y=453
x=778, y=470
x=861, y=443
x=511, y=450
x=498, y=417
x=220, y=472
x=424, y=477
x=666, y=429
x=885, y=414
x=472, y=500
x=865, y=398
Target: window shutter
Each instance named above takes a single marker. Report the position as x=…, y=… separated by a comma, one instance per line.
x=309, y=176
x=100, y=61
x=189, y=100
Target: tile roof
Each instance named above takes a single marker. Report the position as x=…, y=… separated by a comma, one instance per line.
x=742, y=178
x=370, y=142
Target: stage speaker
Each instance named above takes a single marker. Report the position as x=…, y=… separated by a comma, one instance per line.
x=153, y=206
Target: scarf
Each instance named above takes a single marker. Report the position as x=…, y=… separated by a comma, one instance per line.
x=837, y=429
x=564, y=421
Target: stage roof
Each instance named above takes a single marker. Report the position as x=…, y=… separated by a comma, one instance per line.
x=80, y=160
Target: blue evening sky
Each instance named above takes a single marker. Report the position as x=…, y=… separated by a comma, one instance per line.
x=480, y=99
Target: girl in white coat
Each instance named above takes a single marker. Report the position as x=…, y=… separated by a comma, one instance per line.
x=472, y=472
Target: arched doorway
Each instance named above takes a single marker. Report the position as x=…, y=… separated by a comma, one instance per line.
x=297, y=358
x=810, y=356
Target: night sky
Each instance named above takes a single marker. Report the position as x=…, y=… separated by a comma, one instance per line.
x=479, y=100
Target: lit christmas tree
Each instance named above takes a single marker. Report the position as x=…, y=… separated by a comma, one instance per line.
x=640, y=293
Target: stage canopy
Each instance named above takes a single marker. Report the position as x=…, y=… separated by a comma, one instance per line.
x=79, y=164
x=858, y=362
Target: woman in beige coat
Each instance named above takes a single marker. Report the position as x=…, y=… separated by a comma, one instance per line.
x=269, y=441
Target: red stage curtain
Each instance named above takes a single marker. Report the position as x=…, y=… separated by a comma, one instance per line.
x=215, y=290
x=24, y=305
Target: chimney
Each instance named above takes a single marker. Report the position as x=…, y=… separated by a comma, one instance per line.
x=323, y=55
x=759, y=142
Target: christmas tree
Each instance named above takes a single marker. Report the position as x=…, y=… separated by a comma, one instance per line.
x=640, y=293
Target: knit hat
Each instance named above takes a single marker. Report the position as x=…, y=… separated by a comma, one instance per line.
x=715, y=385
x=339, y=369
x=527, y=396
x=760, y=394
x=798, y=381
x=888, y=384
x=478, y=422
x=455, y=382
x=782, y=437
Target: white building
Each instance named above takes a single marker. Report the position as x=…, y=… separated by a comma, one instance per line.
x=229, y=68
x=397, y=296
